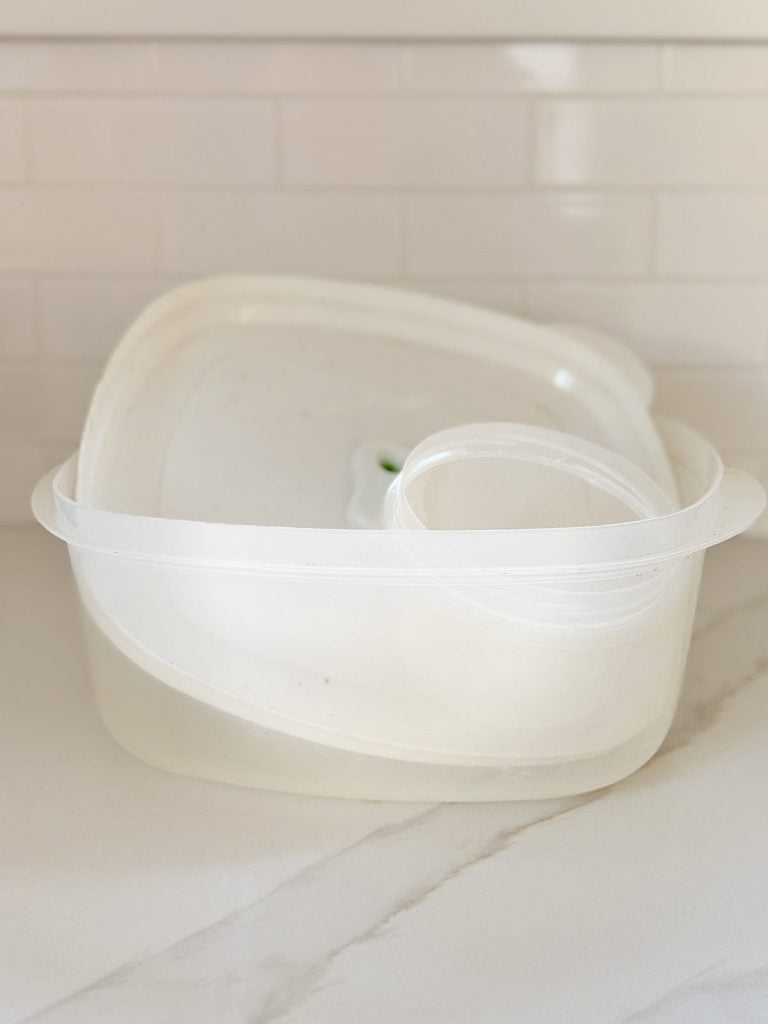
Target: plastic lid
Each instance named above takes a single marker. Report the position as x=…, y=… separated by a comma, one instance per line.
x=501, y=476
x=243, y=400
x=622, y=358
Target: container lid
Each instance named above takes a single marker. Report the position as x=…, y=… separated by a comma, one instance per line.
x=244, y=400
x=622, y=358
x=513, y=476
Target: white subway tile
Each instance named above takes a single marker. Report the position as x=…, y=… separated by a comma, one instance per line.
x=716, y=68
x=22, y=463
x=86, y=319
x=432, y=143
x=71, y=231
x=714, y=235
x=12, y=159
x=144, y=141
x=326, y=233
x=528, y=67
x=290, y=68
x=500, y=295
x=729, y=407
x=44, y=402
x=660, y=141
x=17, y=319
x=527, y=234
x=70, y=66
x=666, y=323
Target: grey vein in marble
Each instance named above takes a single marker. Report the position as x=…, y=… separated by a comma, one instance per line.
x=352, y=937
x=712, y=996
x=311, y=919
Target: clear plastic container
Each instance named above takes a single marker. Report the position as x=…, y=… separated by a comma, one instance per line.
x=459, y=664
x=342, y=640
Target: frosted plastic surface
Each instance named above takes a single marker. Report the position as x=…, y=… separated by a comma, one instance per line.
x=243, y=400
x=427, y=663
x=420, y=665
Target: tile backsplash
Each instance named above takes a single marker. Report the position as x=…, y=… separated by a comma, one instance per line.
x=622, y=186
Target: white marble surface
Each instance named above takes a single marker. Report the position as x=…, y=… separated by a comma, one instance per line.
x=131, y=896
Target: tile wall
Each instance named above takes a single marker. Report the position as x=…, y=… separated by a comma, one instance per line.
x=619, y=186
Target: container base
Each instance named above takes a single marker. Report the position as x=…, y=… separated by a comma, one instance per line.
x=170, y=730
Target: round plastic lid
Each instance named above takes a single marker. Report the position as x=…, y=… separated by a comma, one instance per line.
x=512, y=476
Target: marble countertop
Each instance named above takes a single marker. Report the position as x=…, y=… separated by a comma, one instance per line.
x=132, y=896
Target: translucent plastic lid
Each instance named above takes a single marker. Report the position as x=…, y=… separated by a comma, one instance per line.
x=512, y=476
x=243, y=400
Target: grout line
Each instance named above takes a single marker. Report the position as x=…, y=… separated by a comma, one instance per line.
x=565, y=279
x=153, y=69
x=26, y=146
x=525, y=303
x=278, y=113
x=37, y=317
x=597, y=189
x=405, y=56
x=158, y=233
x=652, y=256
x=149, y=94
x=533, y=128
x=664, y=58
x=404, y=253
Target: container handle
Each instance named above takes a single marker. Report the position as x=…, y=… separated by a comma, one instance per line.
x=742, y=499
x=43, y=504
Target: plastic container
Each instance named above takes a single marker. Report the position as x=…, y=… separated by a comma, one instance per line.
x=460, y=664
x=215, y=654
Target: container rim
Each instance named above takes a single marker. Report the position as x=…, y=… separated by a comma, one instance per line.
x=728, y=502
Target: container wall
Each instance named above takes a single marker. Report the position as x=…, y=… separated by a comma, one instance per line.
x=431, y=673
